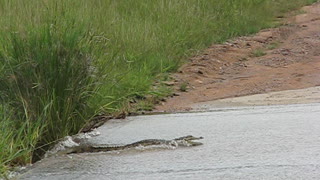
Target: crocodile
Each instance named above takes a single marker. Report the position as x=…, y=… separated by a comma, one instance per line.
x=185, y=141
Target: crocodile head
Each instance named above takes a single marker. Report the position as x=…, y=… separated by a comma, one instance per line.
x=188, y=140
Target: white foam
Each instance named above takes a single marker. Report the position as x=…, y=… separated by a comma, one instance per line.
x=71, y=141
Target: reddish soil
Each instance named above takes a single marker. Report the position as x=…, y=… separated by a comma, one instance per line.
x=232, y=69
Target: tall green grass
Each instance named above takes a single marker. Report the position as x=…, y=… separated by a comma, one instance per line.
x=62, y=61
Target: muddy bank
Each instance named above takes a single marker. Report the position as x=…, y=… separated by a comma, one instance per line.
x=277, y=59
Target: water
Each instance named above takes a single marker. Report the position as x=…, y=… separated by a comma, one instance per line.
x=276, y=142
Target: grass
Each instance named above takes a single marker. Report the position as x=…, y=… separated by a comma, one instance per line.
x=183, y=87
x=273, y=45
x=63, y=61
x=258, y=53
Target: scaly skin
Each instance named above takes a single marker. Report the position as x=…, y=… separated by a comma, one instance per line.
x=181, y=141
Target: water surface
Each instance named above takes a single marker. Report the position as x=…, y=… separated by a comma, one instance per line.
x=276, y=142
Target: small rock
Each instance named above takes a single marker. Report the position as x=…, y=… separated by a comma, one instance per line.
x=200, y=72
x=285, y=53
x=266, y=34
x=132, y=101
x=163, y=100
x=168, y=83
x=260, y=39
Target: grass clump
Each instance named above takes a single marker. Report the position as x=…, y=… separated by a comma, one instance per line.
x=63, y=61
x=258, y=53
x=17, y=142
x=183, y=87
x=273, y=45
x=46, y=80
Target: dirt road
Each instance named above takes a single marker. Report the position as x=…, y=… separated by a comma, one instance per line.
x=283, y=58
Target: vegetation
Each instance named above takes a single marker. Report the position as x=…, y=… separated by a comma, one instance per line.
x=63, y=61
x=273, y=45
x=258, y=52
x=183, y=87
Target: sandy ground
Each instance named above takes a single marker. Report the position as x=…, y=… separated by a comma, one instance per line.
x=290, y=59
x=300, y=96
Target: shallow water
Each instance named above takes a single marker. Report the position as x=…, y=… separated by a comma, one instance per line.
x=276, y=142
